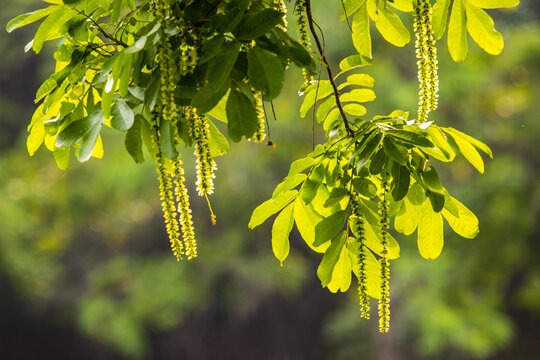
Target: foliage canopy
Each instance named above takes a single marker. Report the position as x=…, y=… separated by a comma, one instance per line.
x=163, y=72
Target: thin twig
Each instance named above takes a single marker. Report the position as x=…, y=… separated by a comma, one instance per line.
x=328, y=69
x=346, y=15
x=106, y=34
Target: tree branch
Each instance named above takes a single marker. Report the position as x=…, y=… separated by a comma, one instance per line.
x=328, y=69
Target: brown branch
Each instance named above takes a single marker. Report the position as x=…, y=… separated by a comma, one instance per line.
x=328, y=69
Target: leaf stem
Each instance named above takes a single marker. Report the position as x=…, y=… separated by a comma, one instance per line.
x=350, y=132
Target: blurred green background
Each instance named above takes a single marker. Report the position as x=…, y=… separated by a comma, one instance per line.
x=86, y=271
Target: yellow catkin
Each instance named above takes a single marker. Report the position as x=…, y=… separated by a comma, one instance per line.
x=166, y=195
x=280, y=6
x=260, y=134
x=184, y=209
x=200, y=133
x=426, y=53
x=302, y=22
x=384, y=297
x=358, y=223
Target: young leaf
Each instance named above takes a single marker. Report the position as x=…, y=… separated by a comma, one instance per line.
x=310, y=186
x=321, y=89
x=430, y=232
x=49, y=27
x=361, y=36
x=217, y=141
x=457, y=32
x=341, y=274
x=440, y=16
x=28, y=18
x=494, y=4
x=330, y=259
x=280, y=233
x=470, y=153
x=289, y=183
x=465, y=223
x=391, y=27
x=61, y=156
x=407, y=218
x=306, y=219
x=270, y=207
x=481, y=28
x=476, y=143
x=35, y=139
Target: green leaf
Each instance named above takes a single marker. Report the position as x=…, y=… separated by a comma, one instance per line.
x=355, y=109
x=61, y=156
x=401, y=179
x=270, y=207
x=300, y=165
x=329, y=227
x=391, y=27
x=494, y=4
x=265, y=72
x=289, y=183
x=88, y=142
x=476, y=143
x=122, y=115
x=353, y=62
x=321, y=89
x=437, y=200
x=167, y=142
x=258, y=24
x=133, y=141
x=358, y=95
x=336, y=195
x=410, y=137
x=397, y=152
x=74, y=132
x=241, y=116
x=35, y=139
x=49, y=27
x=359, y=80
x=207, y=98
x=312, y=183
x=481, y=28
x=470, y=153
x=457, y=32
x=439, y=17
x=219, y=112
x=373, y=271
x=330, y=259
x=431, y=179
x=442, y=150
x=280, y=233
x=350, y=7
x=365, y=187
x=341, y=275
x=361, y=36
x=217, y=141
x=306, y=219
x=210, y=48
x=371, y=145
x=377, y=162
x=374, y=240
x=221, y=66
x=465, y=223
x=430, y=232
x=407, y=218
x=28, y=18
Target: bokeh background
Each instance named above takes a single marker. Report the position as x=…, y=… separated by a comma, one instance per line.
x=86, y=271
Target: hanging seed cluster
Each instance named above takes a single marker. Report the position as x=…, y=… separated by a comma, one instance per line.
x=426, y=53
x=302, y=23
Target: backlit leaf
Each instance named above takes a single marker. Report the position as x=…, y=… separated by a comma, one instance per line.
x=430, y=232
x=280, y=233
